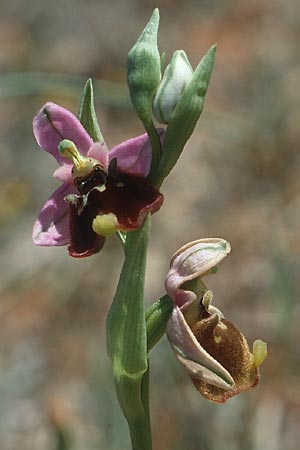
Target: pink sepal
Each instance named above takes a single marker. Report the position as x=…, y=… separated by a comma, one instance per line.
x=64, y=173
x=52, y=225
x=134, y=155
x=52, y=124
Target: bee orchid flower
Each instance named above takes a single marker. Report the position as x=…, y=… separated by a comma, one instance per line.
x=102, y=191
x=214, y=352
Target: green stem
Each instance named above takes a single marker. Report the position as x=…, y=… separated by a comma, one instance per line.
x=133, y=399
x=145, y=391
x=127, y=339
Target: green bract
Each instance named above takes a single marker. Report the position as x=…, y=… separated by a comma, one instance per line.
x=157, y=316
x=143, y=77
x=144, y=69
x=87, y=114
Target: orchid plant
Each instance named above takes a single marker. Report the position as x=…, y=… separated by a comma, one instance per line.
x=105, y=192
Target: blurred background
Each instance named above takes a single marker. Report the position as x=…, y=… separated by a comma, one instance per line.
x=238, y=178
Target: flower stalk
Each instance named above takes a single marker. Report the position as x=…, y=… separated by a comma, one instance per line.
x=127, y=339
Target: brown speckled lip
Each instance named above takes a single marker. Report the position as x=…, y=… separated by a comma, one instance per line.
x=225, y=343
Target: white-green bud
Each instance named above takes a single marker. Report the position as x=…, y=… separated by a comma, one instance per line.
x=176, y=77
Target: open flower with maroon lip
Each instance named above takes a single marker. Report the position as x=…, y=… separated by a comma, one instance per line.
x=102, y=192
x=213, y=351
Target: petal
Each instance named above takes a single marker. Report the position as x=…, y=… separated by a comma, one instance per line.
x=130, y=198
x=179, y=296
x=99, y=151
x=64, y=173
x=52, y=124
x=198, y=362
x=52, y=225
x=84, y=241
x=192, y=261
x=134, y=156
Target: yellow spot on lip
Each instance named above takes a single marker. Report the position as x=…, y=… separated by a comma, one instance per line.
x=217, y=339
x=105, y=224
x=120, y=184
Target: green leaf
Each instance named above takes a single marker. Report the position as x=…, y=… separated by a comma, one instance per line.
x=127, y=340
x=157, y=316
x=87, y=113
x=185, y=116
